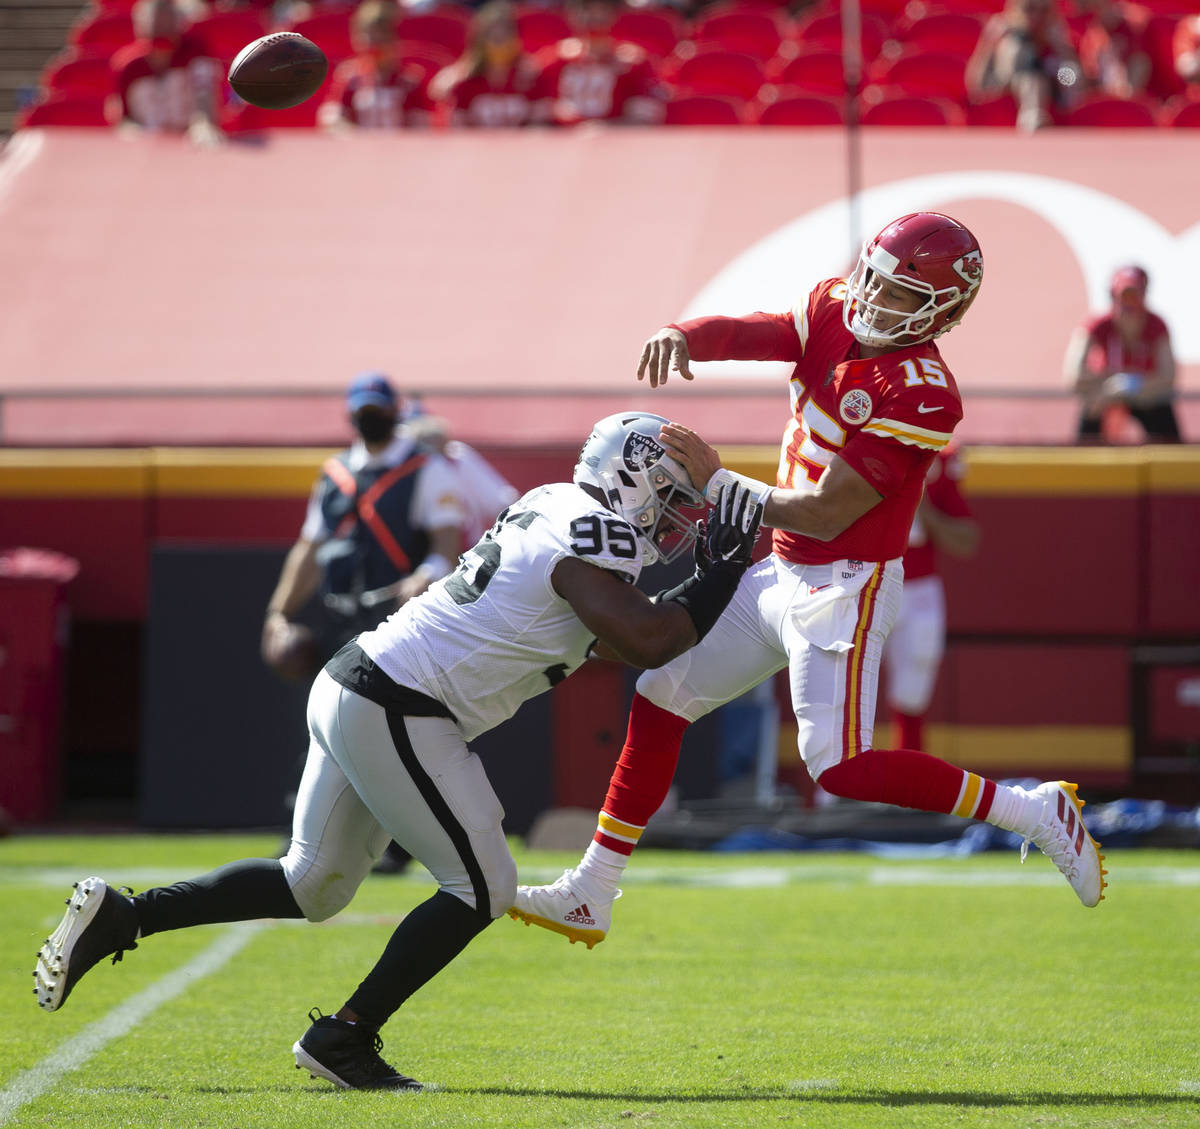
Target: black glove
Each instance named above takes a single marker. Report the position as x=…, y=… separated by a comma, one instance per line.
x=732, y=529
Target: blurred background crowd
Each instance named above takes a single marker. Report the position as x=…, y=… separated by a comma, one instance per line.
x=160, y=64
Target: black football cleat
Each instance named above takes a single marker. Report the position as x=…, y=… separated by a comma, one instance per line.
x=347, y=1055
x=99, y=922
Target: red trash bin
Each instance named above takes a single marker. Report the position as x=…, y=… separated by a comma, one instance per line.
x=34, y=627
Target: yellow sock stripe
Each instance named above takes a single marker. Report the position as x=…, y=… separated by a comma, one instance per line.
x=866, y=610
x=615, y=827
x=969, y=796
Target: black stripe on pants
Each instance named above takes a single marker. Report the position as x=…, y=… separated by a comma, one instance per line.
x=441, y=811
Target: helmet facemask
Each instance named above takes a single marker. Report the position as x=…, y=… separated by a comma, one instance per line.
x=640, y=481
x=881, y=326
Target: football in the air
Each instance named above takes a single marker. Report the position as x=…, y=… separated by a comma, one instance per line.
x=278, y=70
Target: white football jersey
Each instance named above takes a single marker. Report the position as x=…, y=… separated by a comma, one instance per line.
x=494, y=633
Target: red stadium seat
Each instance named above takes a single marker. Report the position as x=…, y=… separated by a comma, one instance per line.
x=817, y=72
x=657, y=31
x=1101, y=111
x=102, y=33
x=896, y=108
x=427, y=57
x=1164, y=79
x=445, y=30
x=1183, y=114
x=718, y=72
x=75, y=110
x=224, y=34
x=246, y=118
x=789, y=107
x=1000, y=112
x=825, y=30
x=539, y=27
x=757, y=32
x=329, y=30
x=89, y=75
x=926, y=74
x=705, y=109
x=955, y=33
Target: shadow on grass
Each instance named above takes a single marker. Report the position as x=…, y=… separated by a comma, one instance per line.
x=834, y=1096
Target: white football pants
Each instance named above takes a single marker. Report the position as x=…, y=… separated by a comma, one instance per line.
x=372, y=776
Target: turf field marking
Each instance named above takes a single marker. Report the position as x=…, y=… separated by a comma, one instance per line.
x=72, y=1054
x=812, y=869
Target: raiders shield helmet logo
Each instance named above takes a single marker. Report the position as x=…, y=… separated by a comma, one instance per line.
x=642, y=451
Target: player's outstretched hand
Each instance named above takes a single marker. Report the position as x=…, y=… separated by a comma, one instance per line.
x=666, y=350
x=732, y=527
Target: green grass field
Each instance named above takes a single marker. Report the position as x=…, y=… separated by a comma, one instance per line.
x=734, y=991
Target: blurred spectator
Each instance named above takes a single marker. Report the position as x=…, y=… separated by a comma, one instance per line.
x=489, y=85
x=166, y=80
x=1121, y=362
x=1185, y=48
x=1026, y=51
x=375, y=88
x=1112, y=48
x=485, y=491
x=592, y=78
x=914, y=648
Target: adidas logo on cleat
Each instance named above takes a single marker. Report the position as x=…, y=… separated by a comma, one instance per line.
x=580, y=916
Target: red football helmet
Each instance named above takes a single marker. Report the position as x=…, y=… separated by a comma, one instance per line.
x=928, y=253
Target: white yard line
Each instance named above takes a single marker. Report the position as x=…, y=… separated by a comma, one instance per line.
x=72, y=1054
x=815, y=869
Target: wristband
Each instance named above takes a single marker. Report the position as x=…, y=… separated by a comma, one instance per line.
x=434, y=566
x=704, y=596
x=722, y=477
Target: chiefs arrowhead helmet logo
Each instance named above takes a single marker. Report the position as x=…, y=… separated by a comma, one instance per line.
x=970, y=266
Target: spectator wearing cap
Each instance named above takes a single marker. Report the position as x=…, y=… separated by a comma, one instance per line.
x=1120, y=364
x=385, y=520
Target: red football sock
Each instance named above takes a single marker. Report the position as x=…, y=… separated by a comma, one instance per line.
x=910, y=779
x=909, y=729
x=646, y=767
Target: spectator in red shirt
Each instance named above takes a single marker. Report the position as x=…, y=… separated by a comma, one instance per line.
x=1025, y=50
x=376, y=89
x=1121, y=362
x=592, y=78
x=489, y=85
x=166, y=80
x=1112, y=49
x=1185, y=47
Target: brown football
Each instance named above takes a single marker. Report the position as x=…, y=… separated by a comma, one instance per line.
x=278, y=70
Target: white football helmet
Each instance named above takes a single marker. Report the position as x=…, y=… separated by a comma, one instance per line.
x=640, y=481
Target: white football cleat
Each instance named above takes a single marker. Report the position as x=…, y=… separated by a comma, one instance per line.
x=1061, y=834
x=565, y=908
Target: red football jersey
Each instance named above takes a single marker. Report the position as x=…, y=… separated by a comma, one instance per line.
x=478, y=101
x=887, y=416
x=164, y=99
x=943, y=489
x=378, y=98
x=1108, y=352
x=573, y=85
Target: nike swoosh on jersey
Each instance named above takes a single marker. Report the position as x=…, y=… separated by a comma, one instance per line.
x=924, y=408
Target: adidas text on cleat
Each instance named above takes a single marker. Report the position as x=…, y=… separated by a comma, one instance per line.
x=1061, y=834
x=563, y=908
x=99, y=922
x=347, y=1055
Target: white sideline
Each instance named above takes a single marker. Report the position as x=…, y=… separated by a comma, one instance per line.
x=72, y=1054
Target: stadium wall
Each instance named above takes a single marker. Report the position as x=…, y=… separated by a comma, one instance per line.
x=1073, y=634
